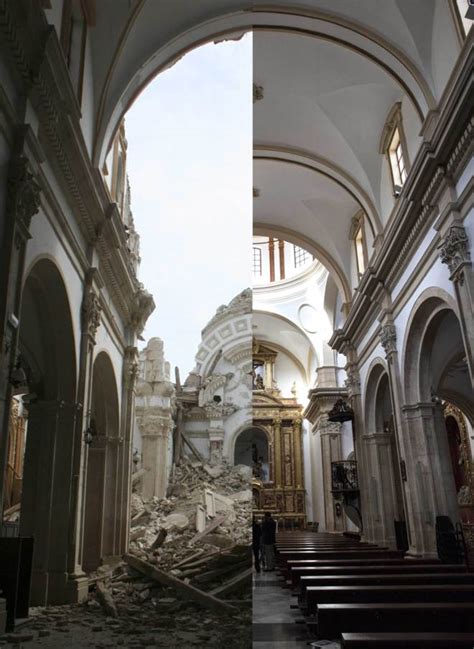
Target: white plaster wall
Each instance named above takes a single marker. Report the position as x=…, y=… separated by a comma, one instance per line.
x=444, y=46
x=287, y=371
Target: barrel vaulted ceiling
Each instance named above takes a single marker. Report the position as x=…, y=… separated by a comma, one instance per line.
x=330, y=70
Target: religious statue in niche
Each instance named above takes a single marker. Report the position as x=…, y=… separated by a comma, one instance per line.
x=258, y=468
x=257, y=377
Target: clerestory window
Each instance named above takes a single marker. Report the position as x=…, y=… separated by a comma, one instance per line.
x=301, y=256
x=257, y=261
x=393, y=145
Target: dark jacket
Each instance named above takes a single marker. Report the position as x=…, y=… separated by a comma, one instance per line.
x=268, y=531
x=256, y=534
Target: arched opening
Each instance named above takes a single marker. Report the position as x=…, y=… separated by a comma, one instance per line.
x=47, y=349
x=102, y=507
x=436, y=374
x=386, y=503
x=251, y=449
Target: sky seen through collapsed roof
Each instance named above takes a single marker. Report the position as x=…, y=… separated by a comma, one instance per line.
x=189, y=160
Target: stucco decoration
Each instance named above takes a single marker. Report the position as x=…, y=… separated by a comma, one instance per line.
x=388, y=338
x=454, y=251
x=218, y=390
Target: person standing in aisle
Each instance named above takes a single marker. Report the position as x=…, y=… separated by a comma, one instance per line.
x=269, y=540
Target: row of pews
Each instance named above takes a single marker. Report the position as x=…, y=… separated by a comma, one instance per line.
x=368, y=596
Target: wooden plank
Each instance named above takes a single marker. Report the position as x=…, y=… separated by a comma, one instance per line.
x=233, y=584
x=192, y=447
x=212, y=526
x=205, y=599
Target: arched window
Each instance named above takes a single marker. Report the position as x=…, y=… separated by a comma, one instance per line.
x=358, y=237
x=393, y=146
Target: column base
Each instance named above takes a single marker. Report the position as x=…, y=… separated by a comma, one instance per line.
x=56, y=588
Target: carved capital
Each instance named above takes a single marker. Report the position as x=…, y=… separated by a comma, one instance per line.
x=130, y=367
x=143, y=307
x=454, y=250
x=23, y=196
x=90, y=313
x=352, y=381
x=388, y=338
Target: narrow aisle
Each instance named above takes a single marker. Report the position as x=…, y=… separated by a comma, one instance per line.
x=273, y=620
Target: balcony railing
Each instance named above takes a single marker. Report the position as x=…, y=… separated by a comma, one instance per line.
x=344, y=477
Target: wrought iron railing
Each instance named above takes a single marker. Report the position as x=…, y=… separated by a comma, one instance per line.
x=344, y=476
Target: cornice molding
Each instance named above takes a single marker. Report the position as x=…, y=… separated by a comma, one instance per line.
x=40, y=71
x=450, y=146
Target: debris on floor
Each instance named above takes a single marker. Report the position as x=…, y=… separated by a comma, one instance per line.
x=186, y=580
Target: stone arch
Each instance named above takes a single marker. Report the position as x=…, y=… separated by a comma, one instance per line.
x=102, y=507
x=48, y=352
x=386, y=506
x=125, y=81
x=426, y=363
x=376, y=371
x=254, y=433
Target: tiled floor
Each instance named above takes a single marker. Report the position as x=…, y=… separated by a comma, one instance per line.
x=274, y=622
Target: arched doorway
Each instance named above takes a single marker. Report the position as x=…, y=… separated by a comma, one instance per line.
x=47, y=349
x=386, y=500
x=101, y=506
x=251, y=449
x=436, y=372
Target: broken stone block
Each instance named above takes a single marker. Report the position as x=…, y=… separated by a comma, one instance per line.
x=175, y=522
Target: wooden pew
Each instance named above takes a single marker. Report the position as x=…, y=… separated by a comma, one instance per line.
x=296, y=572
x=334, y=619
x=394, y=581
x=407, y=640
x=385, y=593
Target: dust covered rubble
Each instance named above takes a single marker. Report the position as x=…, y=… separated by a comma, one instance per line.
x=198, y=494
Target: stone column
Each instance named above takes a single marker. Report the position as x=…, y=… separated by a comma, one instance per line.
x=388, y=339
x=129, y=381
x=331, y=451
x=37, y=499
x=454, y=252
x=378, y=447
x=46, y=508
x=430, y=476
x=156, y=431
x=353, y=391
x=22, y=203
x=90, y=321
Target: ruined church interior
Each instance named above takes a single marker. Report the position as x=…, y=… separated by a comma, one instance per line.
x=310, y=481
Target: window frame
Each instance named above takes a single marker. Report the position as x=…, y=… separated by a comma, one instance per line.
x=394, y=127
x=259, y=251
x=358, y=227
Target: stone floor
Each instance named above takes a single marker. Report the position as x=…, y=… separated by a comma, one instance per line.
x=274, y=624
x=86, y=627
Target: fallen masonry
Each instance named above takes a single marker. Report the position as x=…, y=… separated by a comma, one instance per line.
x=186, y=580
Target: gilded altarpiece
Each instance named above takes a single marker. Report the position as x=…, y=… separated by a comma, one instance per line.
x=282, y=492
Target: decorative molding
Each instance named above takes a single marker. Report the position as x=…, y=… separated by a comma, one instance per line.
x=388, y=338
x=23, y=197
x=90, y=313
x=454, y=251
x=143, y=307
x=352, y=381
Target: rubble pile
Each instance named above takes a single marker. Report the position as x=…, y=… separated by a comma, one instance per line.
x=189, y=560
x=169, y=531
